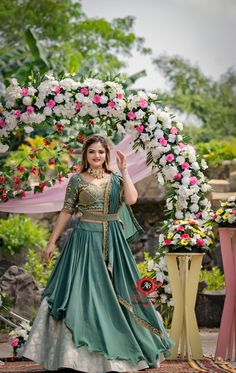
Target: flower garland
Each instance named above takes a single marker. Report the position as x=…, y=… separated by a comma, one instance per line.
x=156, y=131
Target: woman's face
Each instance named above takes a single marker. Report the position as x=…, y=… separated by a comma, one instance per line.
x=96, y=155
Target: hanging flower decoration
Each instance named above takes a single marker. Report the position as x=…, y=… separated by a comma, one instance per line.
x=94, y=102
x=226, y=214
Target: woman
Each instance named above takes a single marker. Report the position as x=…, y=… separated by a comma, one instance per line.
x=92, y=317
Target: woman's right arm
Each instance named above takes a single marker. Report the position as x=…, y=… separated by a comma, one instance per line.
x=69, y=206
x=61, y=223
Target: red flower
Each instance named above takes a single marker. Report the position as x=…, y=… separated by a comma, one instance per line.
x=234, y=212
x=42, y=185
x=75, y=168
x=33, y=170
x=200, y=242
x=23, y=193
x=166, y=242
x=2, y=179
x=59, y=127
x=73, y=151
x=52, y=162
x=31, y=155
x=60, y=178
x=192, y=222
x=21, y=168
x=46, y=142
x=80, y=138
x=185, y=235
x=180, y=228
x=91, y=122
x=4, y=196
x=16, y=180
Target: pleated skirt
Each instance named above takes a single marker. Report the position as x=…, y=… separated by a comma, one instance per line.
x=80, y=323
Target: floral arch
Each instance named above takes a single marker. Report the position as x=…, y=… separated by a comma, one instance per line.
x=93, y=102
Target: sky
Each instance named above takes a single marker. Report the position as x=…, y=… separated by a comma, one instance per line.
x=201, y=31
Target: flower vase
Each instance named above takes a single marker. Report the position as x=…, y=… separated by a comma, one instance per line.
x=184, y=270
x=226, y=343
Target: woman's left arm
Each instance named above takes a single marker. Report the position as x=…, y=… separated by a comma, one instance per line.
x=130, y=192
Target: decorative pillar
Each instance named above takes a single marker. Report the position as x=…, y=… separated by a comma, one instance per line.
x=184, y=269
x=226, y=343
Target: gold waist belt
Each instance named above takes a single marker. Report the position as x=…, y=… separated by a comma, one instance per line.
x=102, y=217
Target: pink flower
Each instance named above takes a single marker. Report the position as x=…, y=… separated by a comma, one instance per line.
x=78, y=106
x=51, y=104
x=185, y=235
x=170, y=157
x=173, y=131
x=119, y=96
x=178, y=177
x=17, y=113
x=198, y=215
x=185, y=165
x=140, y=128
x=57, y=89
x=30, y=109
x=143, y=103
x=131, y=115
x=163, y=141
x=96, y=99
x=200, y=242
x=111, y=104
x=166, y=242
x=2, y=123
x=84, y=91
x=14, y=342
x=24, y=91
x=193, y=180
x=180, y=228
x=234, y=212
x=182, y=146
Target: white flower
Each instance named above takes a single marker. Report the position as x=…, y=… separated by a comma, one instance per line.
x=3, y=148
x=68, y=84
x=171, y=302
x=194, y=208
x=139, y=114
x=152, y=119
x=104, y=99
x=158, y=133
x=59, y=98
x=205, y=187
x=195, y=198
x=27, y=100
x=163, y=298
x=47, y=111
x=180, y=159
x=204, y=164
x=180, y=126
x=179, y=215
x=195, y=166
x=28, y=129
x=150, y=265
x=171, y=138
x=167, y=289
x=160, y=277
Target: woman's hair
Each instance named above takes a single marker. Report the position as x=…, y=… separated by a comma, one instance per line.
x=89, y=141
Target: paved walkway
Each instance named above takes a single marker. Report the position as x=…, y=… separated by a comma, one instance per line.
x=208, y=338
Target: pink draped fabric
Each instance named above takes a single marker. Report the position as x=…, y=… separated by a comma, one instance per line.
x=52, y=198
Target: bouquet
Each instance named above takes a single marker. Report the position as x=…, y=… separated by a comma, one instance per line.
x=19, y=336
x=226, y=214
x=187, y=235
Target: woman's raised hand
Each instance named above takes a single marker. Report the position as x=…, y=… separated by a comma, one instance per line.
x=121, y=161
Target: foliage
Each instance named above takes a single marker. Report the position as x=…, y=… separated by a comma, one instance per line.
x=216, y=151
x=18, y=232
x=190, y=91
x=214, y=279
x=40, y=271
x=63, y=38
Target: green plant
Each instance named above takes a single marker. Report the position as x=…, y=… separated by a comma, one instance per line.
x=215, y=279
x=216, y=151
x=18, y=232
x=40, y=271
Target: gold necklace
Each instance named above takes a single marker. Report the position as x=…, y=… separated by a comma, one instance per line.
x=96, y=173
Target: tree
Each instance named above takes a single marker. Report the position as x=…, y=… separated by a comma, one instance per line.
x=191, y=92
x=57, y=35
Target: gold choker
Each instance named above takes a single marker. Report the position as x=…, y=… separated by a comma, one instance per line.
x=97, y=174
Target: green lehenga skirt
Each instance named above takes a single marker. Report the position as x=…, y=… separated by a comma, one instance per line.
x=88, y=319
